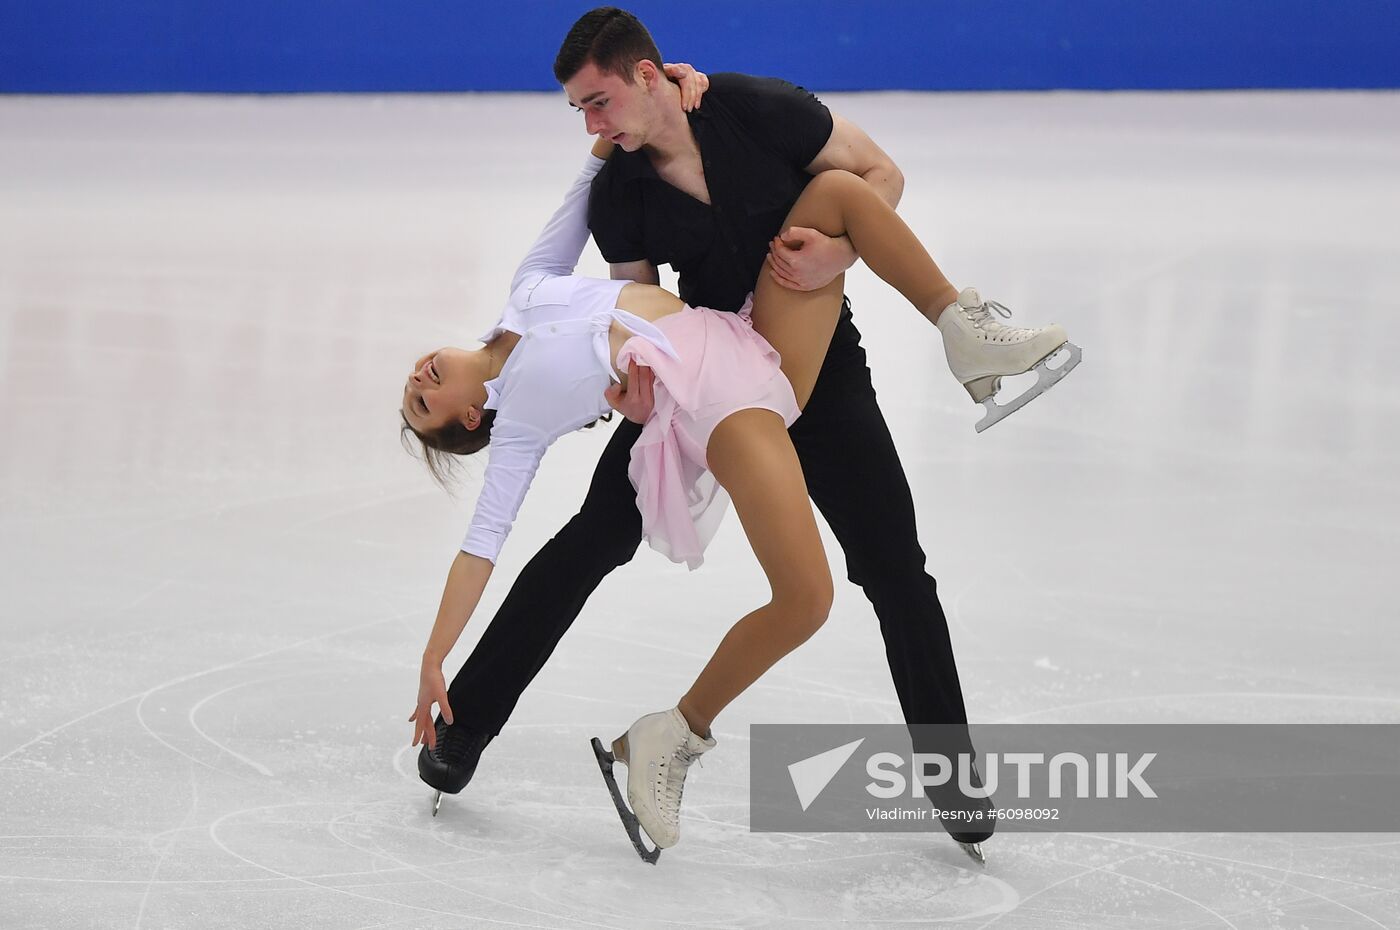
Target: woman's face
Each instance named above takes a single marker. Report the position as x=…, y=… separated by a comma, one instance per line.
x=444, y=385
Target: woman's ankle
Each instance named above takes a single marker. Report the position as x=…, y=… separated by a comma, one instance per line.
x=699, y=724
x=940, y=302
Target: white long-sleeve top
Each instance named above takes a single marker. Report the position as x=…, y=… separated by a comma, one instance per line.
x=554, y=379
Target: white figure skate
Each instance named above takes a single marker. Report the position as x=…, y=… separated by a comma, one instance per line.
x=981, y=351
x=658, y=750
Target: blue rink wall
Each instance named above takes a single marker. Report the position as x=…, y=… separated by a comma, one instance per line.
x=133, y=46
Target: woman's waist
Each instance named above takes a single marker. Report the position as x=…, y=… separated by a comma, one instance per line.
x=648, y=301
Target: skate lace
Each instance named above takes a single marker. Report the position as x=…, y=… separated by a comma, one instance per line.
x=453, y=747
x=981, y=315
x=981, y=319
x=674, y=784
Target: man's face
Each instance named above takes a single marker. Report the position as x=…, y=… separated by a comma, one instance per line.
x=615, y=109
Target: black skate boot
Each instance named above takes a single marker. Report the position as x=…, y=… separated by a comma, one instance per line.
x=971, y=843
x=449, y=767
x=968, y=835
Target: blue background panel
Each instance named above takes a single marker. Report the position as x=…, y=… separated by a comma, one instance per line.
x=71, y=46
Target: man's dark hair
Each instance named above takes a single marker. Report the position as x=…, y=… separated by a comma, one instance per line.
x=612, y=39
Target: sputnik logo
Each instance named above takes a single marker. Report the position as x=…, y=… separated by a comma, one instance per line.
x=811, y=776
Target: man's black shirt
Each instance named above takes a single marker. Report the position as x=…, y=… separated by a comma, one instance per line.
x=756, y=137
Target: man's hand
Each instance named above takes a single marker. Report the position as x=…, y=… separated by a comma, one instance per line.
x=803, y=259
x=693, y=83
x=637, y=402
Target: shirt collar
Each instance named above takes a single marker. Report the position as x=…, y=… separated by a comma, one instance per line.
x=493, y=392
x=632, y=166
x=636, y=166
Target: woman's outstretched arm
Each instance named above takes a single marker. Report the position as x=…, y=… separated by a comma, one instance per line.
x=560, y=243
x=466, y=581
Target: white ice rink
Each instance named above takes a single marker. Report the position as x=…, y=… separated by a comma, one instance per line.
x=218, y=567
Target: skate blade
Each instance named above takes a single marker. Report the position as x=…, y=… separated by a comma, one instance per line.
x=437, y=802
x=1046, y=378
x=629, y=819
x=975, y=851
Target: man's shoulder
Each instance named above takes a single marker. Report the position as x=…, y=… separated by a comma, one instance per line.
x=737, y=84
x=766, y=104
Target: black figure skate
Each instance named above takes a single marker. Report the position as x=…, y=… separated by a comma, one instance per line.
x=971, y=833
x=449, y=767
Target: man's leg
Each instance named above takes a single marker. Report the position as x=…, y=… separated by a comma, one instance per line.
x=855, y=478
x=549, y=593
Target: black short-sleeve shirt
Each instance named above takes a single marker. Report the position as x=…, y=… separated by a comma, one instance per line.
x=756, y=136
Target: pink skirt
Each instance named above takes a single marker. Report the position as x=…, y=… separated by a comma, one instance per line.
x=723, y=366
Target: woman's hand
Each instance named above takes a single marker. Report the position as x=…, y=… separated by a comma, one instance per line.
x=693, y=83
x=432, y=688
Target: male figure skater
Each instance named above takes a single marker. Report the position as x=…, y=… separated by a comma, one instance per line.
x=706, y=192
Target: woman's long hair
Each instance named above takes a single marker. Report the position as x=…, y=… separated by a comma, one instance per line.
x=439, y=448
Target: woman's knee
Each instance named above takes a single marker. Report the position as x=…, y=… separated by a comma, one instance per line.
x=806, y=603
x=835, y=183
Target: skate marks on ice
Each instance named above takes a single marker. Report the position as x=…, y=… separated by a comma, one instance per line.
x=1233, y=880
x=1221, y=706
x=237, y=667
x=1247, y=881
x=1190, y=464
x=385, y=859
x=580, y=861
x=771, y=880
x=1174, y=880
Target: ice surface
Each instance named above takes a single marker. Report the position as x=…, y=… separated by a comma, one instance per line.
x=219, y=567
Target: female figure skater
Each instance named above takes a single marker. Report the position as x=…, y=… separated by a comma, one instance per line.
x=727, y=387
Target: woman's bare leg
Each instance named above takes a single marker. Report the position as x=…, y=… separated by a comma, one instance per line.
x=751, y=455
x=839, y=203
x=800, y=324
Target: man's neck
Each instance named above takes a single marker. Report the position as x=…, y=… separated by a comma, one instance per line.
x=672, y=138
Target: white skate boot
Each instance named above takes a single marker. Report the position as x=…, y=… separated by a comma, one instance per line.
x=657, y=750
x=982, y=351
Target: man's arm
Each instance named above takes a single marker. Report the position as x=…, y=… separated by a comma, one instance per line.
x=804, y=259
x=643, y=272
x=850, y=149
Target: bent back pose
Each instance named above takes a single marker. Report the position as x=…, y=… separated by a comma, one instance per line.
x=720, y=406
x=707, y=191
